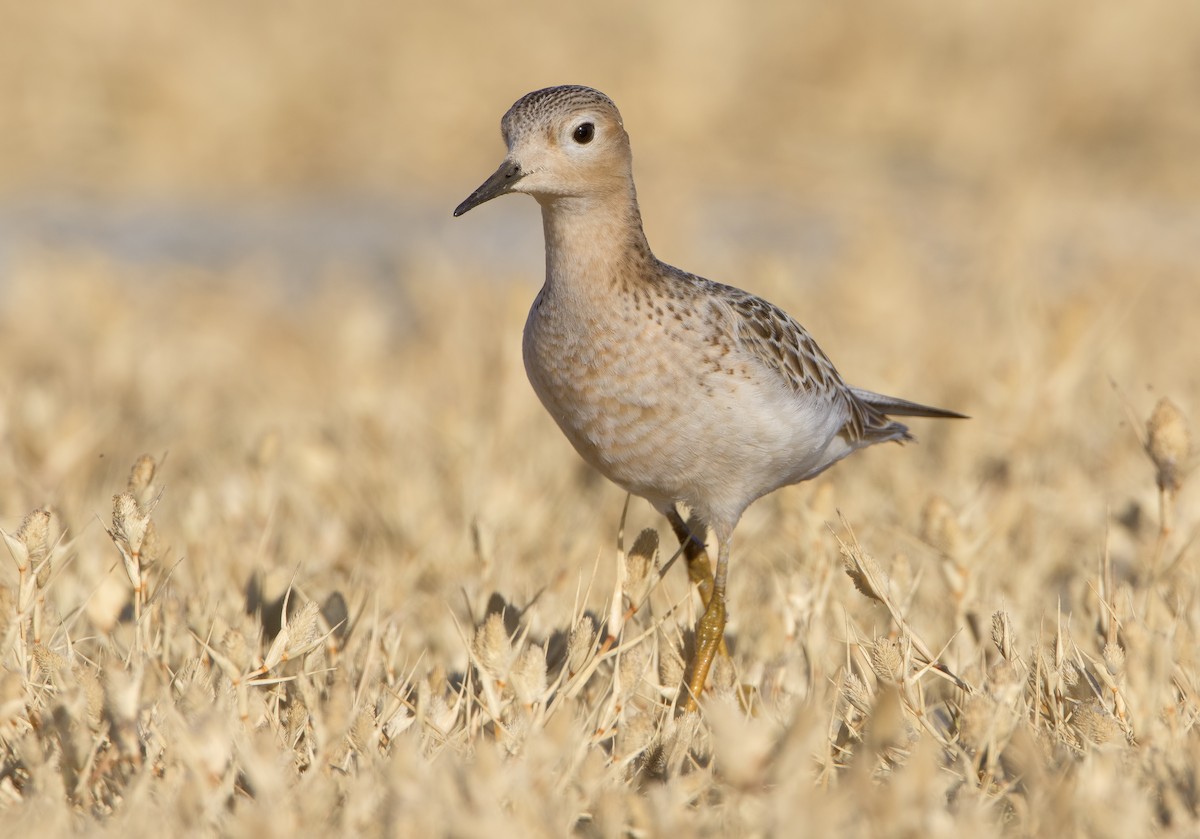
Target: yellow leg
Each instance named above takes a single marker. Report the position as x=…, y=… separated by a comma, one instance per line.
x=690, y=535
x=691, y=539
x=710, y=630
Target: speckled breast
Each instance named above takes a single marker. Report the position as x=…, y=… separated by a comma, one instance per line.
x=614, y=386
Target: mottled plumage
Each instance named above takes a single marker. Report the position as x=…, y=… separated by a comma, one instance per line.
x=677, y=388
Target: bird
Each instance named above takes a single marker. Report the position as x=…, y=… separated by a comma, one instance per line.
x=680, y=390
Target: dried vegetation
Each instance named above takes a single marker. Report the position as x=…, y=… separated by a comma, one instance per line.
x=360, y=585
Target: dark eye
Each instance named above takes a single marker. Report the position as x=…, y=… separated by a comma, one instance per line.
x=584, y=132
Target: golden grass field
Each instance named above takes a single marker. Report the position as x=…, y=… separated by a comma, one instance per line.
x=222, y=390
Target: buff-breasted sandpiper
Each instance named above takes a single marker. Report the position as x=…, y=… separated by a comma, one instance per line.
x=677, y=388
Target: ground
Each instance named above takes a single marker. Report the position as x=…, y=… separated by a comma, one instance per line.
x=253, y=368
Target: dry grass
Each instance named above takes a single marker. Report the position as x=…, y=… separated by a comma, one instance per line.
x=361, y=585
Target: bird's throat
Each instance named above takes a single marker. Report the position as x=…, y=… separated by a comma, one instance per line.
x=592, y=244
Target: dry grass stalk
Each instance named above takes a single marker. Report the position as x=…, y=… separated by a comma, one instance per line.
x=1168, y=444
x=33, y=548
x=135, y=536
x=871, y=581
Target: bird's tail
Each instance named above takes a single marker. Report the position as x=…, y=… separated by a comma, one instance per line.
x=893, y=407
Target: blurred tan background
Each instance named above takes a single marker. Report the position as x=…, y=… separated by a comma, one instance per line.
x=225, y=239
x=960, y=200
x=307, y=111
x=992, y=207
x=144, y=99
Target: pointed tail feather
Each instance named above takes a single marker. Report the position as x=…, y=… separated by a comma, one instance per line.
x=893, y=407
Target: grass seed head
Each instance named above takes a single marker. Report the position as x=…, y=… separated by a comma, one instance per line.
x=1002, y=634
x=632, y=670
x=492, y=647
x=529, y=675
x=635, y=733
x=858, y=694
x=93, y=692
x=1114, y=658
x=153, y=546
x=433, y=706
x=363, y=732
x=580, y=644
x=1070, y=673
x=670, y=664
x=641, y=560
x=34, y=534
x=129, y=527
x=305, y=628
x=1095, y=724
x=985, y=723
x=141, y=479
x=864, y=572
x=1168, y=443
x=887, y=660
x=301, y=634
x=48, y=662
x=30, y=544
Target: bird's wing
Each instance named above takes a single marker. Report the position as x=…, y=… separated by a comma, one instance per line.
x=779, y=343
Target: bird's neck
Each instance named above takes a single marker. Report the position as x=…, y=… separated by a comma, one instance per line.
x=593, y=243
